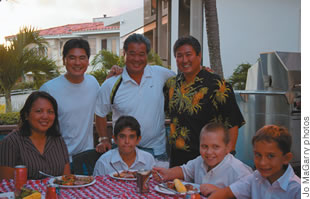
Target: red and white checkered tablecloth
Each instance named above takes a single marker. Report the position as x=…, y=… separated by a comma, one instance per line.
x=105, y=187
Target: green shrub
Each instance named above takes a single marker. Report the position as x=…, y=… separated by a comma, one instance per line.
x=9, y=118
x=238, y=78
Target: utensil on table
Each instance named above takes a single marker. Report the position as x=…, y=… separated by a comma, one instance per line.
x=167, y=188
x=115, y=169
x=45, y=174
x=161, y=178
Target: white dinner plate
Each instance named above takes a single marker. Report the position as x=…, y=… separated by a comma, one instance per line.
x=51, y=181
x=168, y=192
x=118, y=178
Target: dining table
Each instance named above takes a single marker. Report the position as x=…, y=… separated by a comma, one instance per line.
x=104, y=187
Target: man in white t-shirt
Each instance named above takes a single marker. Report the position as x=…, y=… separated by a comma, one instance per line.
x=75, y=93
x=139, y=94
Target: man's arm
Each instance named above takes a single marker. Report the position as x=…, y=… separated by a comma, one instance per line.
x=224, y=193
x=233, y=132
x=101, y=127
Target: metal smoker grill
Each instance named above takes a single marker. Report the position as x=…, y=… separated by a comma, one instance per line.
x=272, y=96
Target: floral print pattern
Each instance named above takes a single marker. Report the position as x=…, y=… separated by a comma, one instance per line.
x=190, y=106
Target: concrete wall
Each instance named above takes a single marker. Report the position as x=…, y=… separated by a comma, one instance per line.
x=250, y=27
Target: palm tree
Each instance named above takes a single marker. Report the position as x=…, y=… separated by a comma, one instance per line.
x=213, y=36
x=23, y=54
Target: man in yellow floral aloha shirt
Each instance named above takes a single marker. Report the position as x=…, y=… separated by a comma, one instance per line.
x=194, y=98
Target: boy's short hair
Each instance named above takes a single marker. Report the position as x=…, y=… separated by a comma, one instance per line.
x=277, y=134
x=213, y=126
x=126, y=122
x=76, y=43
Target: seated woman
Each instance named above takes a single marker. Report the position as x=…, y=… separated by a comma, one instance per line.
x=37, y=143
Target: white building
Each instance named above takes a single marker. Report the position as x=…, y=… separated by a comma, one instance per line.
x=247, y=28
x=103, y=33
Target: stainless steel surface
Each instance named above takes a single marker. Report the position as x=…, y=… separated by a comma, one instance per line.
x=272, y=96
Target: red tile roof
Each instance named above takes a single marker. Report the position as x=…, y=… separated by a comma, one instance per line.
x=82, y=27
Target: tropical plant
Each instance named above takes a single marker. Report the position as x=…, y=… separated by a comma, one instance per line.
x=238, y=78
x=23, y=54
x=9, y=118
x=154, y=59
x=104, y=61
x=212, y=28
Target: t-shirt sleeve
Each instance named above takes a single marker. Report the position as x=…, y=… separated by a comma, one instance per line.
x=242, y=188
x=8, y=152
x=103, y=105
x=44, y=88
x=189, y=170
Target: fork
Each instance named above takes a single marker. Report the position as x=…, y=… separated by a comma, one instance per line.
x=115, y=169
x=159, y=175
x=45, y=174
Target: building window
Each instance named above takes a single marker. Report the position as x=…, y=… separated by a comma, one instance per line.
x=103, y=44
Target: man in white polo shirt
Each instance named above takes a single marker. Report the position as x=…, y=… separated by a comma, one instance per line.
x=139, y=93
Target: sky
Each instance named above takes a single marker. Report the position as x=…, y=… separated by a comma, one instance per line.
x=43, y=14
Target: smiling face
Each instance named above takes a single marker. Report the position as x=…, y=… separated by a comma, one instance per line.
x=127, y=141
x=41, y=116
x=269, y=160
x=76, y=62
x=188, y=61
x=136, y=58
x=213, y=148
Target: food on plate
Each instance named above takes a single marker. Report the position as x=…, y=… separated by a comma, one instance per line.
x=187, y=187
x=26, y=193
x=35, y=195
x=126, y=174
x=179, y=186
x=73, y=180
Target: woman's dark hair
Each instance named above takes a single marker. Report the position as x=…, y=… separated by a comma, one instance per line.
x=137, y=38
x=189, y=40
x=24, y=126
x=127, y=122
x=76, y=43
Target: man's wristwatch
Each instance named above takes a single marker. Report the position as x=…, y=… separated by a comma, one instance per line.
x=103, y=138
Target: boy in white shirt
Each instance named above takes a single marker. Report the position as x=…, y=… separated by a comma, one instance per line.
x=215, y=167
x=126, y=156
x=274, y=177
